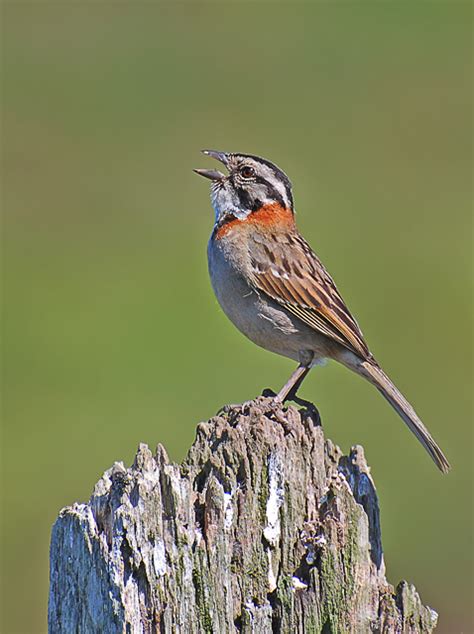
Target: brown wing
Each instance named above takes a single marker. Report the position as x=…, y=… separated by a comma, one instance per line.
x=290, y=273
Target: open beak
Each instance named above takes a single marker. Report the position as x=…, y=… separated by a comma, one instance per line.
x=214, y=175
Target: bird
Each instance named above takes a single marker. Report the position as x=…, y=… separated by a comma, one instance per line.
x=275, y=289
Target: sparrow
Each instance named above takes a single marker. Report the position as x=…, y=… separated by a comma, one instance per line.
x=274, y=288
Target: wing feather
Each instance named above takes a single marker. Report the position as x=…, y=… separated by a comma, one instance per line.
x=296, y=278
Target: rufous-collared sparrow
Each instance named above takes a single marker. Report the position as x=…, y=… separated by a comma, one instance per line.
x=275, y=289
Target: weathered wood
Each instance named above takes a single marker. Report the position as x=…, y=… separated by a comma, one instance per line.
x=265, y=527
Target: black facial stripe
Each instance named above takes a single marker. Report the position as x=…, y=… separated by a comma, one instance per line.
x=247, y=202
x=273, y=193
x=245, y=199
x=280, y=175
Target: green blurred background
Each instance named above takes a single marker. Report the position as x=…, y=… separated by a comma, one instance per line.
x=112, y=334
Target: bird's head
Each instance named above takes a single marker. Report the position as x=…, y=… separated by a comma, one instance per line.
x=252, y=183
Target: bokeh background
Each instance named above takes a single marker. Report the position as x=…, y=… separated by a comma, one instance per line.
x=111, y=333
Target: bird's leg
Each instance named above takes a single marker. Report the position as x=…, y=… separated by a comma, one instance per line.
x=292, y=385
x=289, y=391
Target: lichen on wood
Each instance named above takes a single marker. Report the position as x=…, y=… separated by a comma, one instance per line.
x=264, y=527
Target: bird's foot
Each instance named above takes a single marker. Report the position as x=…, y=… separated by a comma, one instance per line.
x=292, y=396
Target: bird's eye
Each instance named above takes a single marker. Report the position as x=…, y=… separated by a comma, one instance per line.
x=247, y=172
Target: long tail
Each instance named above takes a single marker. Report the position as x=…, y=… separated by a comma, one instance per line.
x=375, y=374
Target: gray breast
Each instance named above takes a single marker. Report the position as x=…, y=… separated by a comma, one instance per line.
x=258, y=317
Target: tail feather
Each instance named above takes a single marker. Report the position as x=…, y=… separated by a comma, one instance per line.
x=377, y=377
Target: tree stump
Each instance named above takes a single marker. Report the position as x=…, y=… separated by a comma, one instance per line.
x=265, y=527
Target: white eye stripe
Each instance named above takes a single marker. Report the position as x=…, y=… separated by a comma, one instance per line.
x=270, y=176
x=266, y=173
x=280, y=187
